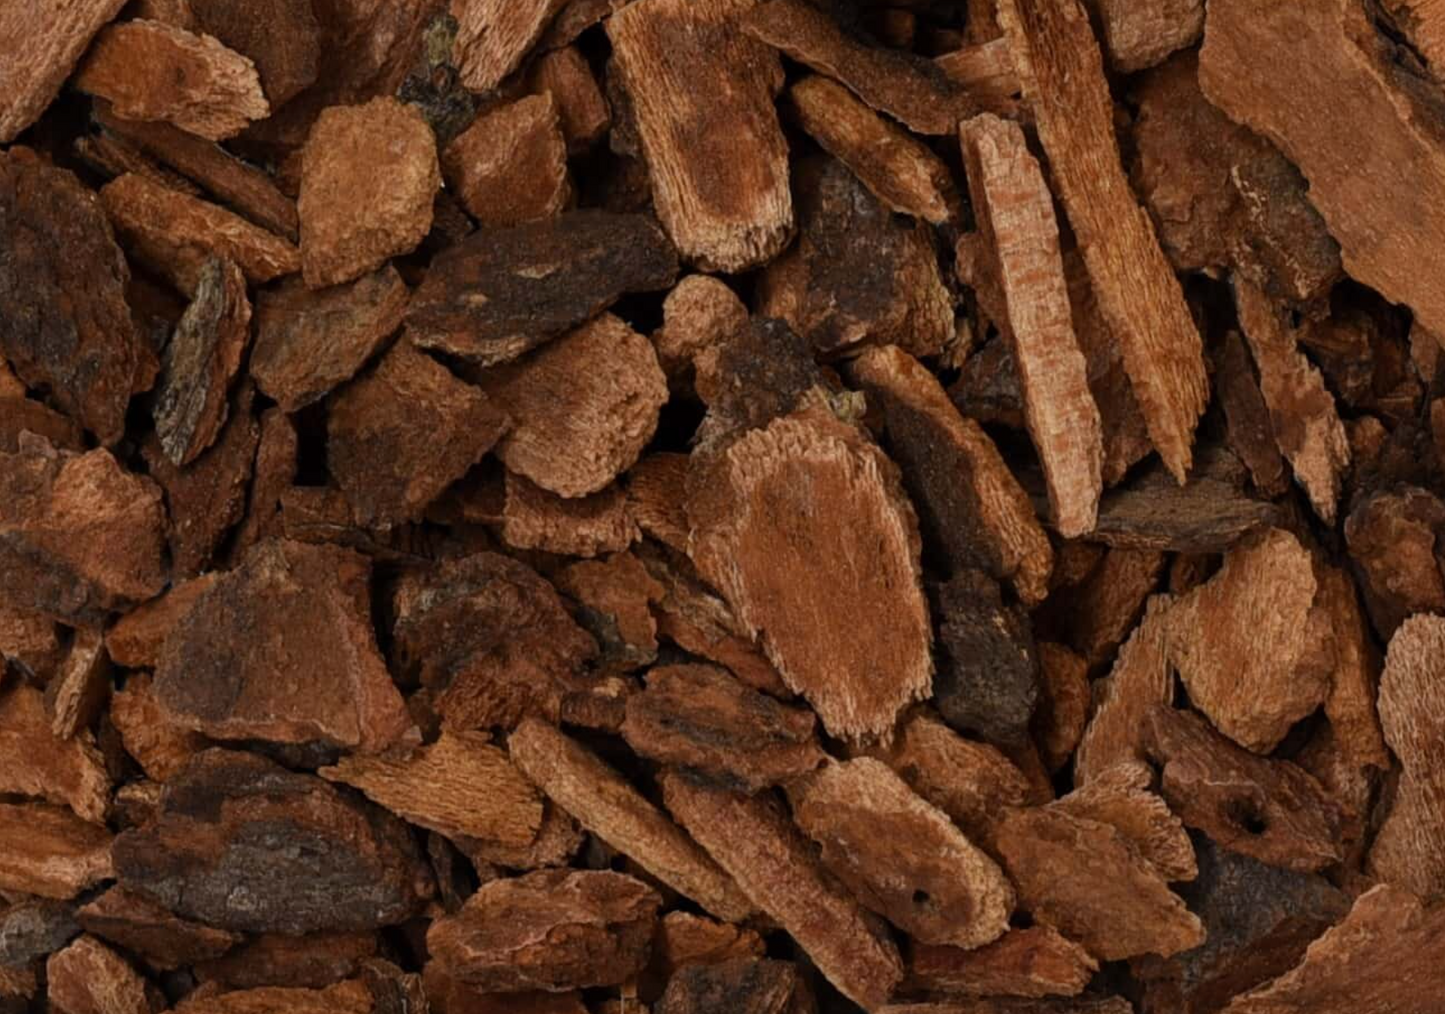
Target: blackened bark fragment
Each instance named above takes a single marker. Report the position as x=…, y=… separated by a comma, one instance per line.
x=988, y=670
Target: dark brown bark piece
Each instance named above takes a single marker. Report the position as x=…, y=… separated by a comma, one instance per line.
x=19, y=414
x=32, y=928
x=36, y=762
x=753, y=374
x=1081, y=1005
x=79, y=535
x=741, y=985
x=616, y=597
x=494, y=35
x=1392, y=537
x=147, y=731
x=112, y=155
x=64, y=322
x=1142, y=34
x=398, y=435
x=43, y=50
x=1271, y=810
x=367, y=183
x=1120, y=796
x=908, y=88
x=88, y=977
x=314, y=961
x=510, y=165
x=987, y=680
x=1100, y=611
x=282, y=38
x=351, y=997
x=753, y=840
x=76, y=694
x=533, y=518
x=719, y=170
x=272, y=476
x=700, y=313
x=1249, y=432
x=1140, y=679
x=582, y=110
x=29, y=642
x=1351, y=706
x=308, y=342
x=553, y=930
x=216, y=677
x=1037, y=961
x=49, y=851
x=503, y=291
x=302, y=855
x=134, y=641
x=684, y=940
x=163, y=939
x=1063, y=705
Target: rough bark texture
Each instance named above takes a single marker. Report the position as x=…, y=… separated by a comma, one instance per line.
x=494, y=35
x=1140, y=679
x=282, y=38
x=1141, y=34
x=1038, y=961
x=43, y=53
x=88, y=977
x=510, y=165
x=48, y=851
x=35, y=762
x=587, y=526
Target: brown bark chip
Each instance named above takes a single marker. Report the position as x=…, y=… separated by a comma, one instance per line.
x=148, y=70
x=350, y=997
x=314, y=961
x=36, y=762
x=759, y=535
x=1063, y=706
x=1142, y=33
x=48, y=851
x=533, y=518
x=1409, y=850
x=42, y=51
x=776, y=867
x=616, y=595
x=494, y=35
x=582, y=110
x=64, y=322
x=214, y=677
x=1038, y=961
x=1016, y=219
x=282, y=37
x=1120, y=796
x=740, y=985
x=1392, y=539
x=510, y=165
x=367, y=183
x=1140, y=679
x=88, y=977
x=272, y=475
x=134, y=641
x=147, y=731
x=700, y=313
x=31, y=928
x=719, y=170
x=583, y=407
x=398, y=435
x=76, y=694
x=908, y=88
x=1351, y=706
x=553, y=930
x=1062, y=72
x=503, y=291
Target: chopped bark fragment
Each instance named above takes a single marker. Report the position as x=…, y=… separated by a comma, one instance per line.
x=557, y=842
x=282, y=37
x=1249, y=431
x=402, y=432
x=1120, y=796
x=533, y=518
x=1139, y=35
x=35, y=761
x=301, y=855
x=719, y=170
x=19, y=414
x=494, y=35
x=1101, y=611
x=553, y=930
x=48, y=851
x=1242, y=642
x=163, y=939
x=1409, y=850
x=701, y=719
x=902, y=172
x=901, y=856
x=758, y=536
x=1113, y=901
x=986, y=519
x=272, y=475
x=1392, y=538
x=32, y=928
x=603, y=801
x=79, y=535
x=1038, y=961
x=986, y=72
x=988, y=670
x=1063, y=705
x=501, y=292
x=149, y=70
x=581, y=108
x=684, y=939
x=76, y=694
x=214, y=677
x=583, y=407
x=742, y=985
x=1062, y=73
x=700, y=313
x=64, y=322
x=314, y=961
x=88, y=977
x=448, y=996
x=29, y=642
x=367, y=183
x=147, y=730
x=1140, y=679
x=616, y=596
x=43, y=50
x=176, y=234
x=1269, y=809
x=1016, y=220
x=752, y=838
x=308, y=342
x=909, y=88
x=134, y=641
x=755, y=375
x=510, y=165
x=1350, y=705
x=350, y=997
x=459, y=785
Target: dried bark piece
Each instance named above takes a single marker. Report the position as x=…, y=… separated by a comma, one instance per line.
x=1063, y=706
x=147, y=730
x=758, y=535
x=752, y=838
x=88, y=977
x=1141, y=300
x=28, y=642
x=494, y=35
x=163, y=939
x=1409, y=850
x=302, y=855
x=700, y=313
x=282, y=38
x=985, y=521
x=616, y=596
x=858, y=274
x=111, y=156
x=603, y=801
x=1081, y=1005
x=557, y=843
x=1101, y=611
x=367, y=183
x=1306, y=422
x=1350, y=705
x=1269, y=809
x=501, y=292
x=1139, y=35
x=904, y=174
x=272, y=476
x=20, y=414
x=1113, y=901
x=176, y=234
x=759, y=373
x=44, y=51
x=1249, y=432
x=134, y=641
x=1016, y=221
x=1392, y=537
x=149, y=70
x=1120, y=796
x=719, y=171
x=1382, y=957
x=683, y=939
x=901, y=856
x=448, y=996
x=581, y=108
x=510, y=165
x=553, y=930
x=583, y=407
x=702, y=719
x=37, y=761
x=1241, y=642
x=987, y=73
x=215, y=677
x=314, y=961
x=48, y=851
x=1140, y=679
x=402, y=432
x=351, y=997
x=744, y=985
x=32, y=928
x=588, y=526
x=908, y=88
x=308, y=342
x=1038, y=961
x=988, y=671
x=64, y=322
x=79, y=535
x=1375, y=151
